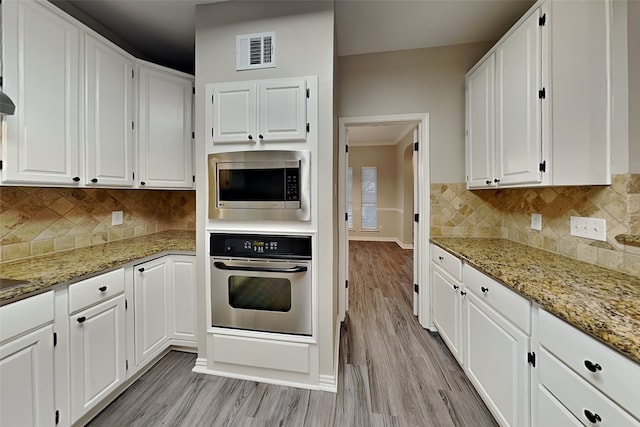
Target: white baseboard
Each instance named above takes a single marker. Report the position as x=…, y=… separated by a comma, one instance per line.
x=381, y=239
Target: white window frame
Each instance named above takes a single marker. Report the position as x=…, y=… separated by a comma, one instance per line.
x=368, y=198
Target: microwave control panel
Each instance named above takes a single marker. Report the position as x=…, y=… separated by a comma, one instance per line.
x=292, y=184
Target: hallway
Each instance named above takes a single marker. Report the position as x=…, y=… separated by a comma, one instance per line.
x=392, y=372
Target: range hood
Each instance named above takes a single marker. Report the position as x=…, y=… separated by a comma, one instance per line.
x=7, y=107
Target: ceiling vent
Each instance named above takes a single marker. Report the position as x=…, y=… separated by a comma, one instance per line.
x=255, y=51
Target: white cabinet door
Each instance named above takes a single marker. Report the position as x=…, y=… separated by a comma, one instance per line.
x=282, y=112
x=108, y=115
x=26, y=380
x=164, y=135
x=234, y=112
x=447, y=311
x=182, y=297
x=480, y=134
x=518, y=108
x=40, y=74
x=97, y=354
x=496, y=362
x=151, y=291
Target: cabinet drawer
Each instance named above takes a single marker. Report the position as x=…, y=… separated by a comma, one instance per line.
x=615, y=375
x=585, y=402
x=511, y=305
x=22, y=316
x=96, y=289
x=447, y=261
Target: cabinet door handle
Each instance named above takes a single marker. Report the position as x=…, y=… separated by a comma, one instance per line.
x=81, y=319
x=260, y=136
x=250, y=137
x=456, y=287
x=593, y=367
x=592, y=417
x=441, y=258
x=488, y=182
x=484, y=290
x=94, y=180
x=102, y=288
x=141, y=269
x=463, y=293
x=496, y=180
x=76, y=178
x=142, y=183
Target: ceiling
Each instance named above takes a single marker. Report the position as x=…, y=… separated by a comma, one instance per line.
x=163, y=31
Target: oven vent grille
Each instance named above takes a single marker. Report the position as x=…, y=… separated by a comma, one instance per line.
x=255, y=51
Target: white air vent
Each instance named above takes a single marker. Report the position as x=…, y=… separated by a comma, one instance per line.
x=255, y=51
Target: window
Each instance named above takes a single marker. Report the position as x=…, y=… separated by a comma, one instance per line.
x=350, y=198
x=369, y=198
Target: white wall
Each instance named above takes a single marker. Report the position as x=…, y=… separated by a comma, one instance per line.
x=634, y=84
x=304, y=47
x=415, y=81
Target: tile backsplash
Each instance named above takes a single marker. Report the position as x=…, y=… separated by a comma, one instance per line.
x=37, y=220
x=506, y=213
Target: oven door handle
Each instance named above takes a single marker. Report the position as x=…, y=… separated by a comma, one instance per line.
x=296, y=269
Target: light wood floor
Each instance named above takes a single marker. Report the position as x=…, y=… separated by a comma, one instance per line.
x=392, y=372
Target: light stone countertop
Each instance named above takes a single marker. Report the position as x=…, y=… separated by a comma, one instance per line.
x=46, y=271
x=601, y=302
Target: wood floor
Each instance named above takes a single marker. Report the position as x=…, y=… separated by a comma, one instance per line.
x=392, y=372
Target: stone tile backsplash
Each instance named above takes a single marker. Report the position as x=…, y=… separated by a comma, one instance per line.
x=37, y=220
x=506, y=213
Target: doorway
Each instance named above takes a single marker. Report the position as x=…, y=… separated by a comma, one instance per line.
x=420, y=230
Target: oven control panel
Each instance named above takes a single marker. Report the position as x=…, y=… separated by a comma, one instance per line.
x=260, y=246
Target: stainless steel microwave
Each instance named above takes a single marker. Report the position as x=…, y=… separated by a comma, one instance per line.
x=260, y=185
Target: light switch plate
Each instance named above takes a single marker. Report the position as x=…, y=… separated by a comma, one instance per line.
x=117, y=218
x=536, y=221
x=589, y=228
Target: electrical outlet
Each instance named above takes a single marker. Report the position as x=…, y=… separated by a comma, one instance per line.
x=589, y=228
x=117, y=218
x=536, y=221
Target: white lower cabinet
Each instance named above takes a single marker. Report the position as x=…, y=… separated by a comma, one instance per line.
x=551, y=412
x=182, y=297
x=151, y=295
x=26, y=388
x=97, y=353
x=26, y=363
x=447, y=311
x=496, y=361
x=593, y=383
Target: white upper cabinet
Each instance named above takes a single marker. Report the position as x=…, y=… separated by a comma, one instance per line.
x=518, y=109
x=259, y=111
x=480, y=134
x=282, y=115
x=234, y=112
x=108, y=115
x=41, y=75
x=164, y=132
x=552, y=101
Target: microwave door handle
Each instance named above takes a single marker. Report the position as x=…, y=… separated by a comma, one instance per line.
x=296, y=269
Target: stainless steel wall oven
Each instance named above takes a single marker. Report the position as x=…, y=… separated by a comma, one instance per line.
x=261, y=282
x=264, y=184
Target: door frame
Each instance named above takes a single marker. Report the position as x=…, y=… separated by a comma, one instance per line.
x=421, y=193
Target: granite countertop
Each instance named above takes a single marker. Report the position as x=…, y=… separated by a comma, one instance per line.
x=629, y=239
x=43, y=272
x=601, y=302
